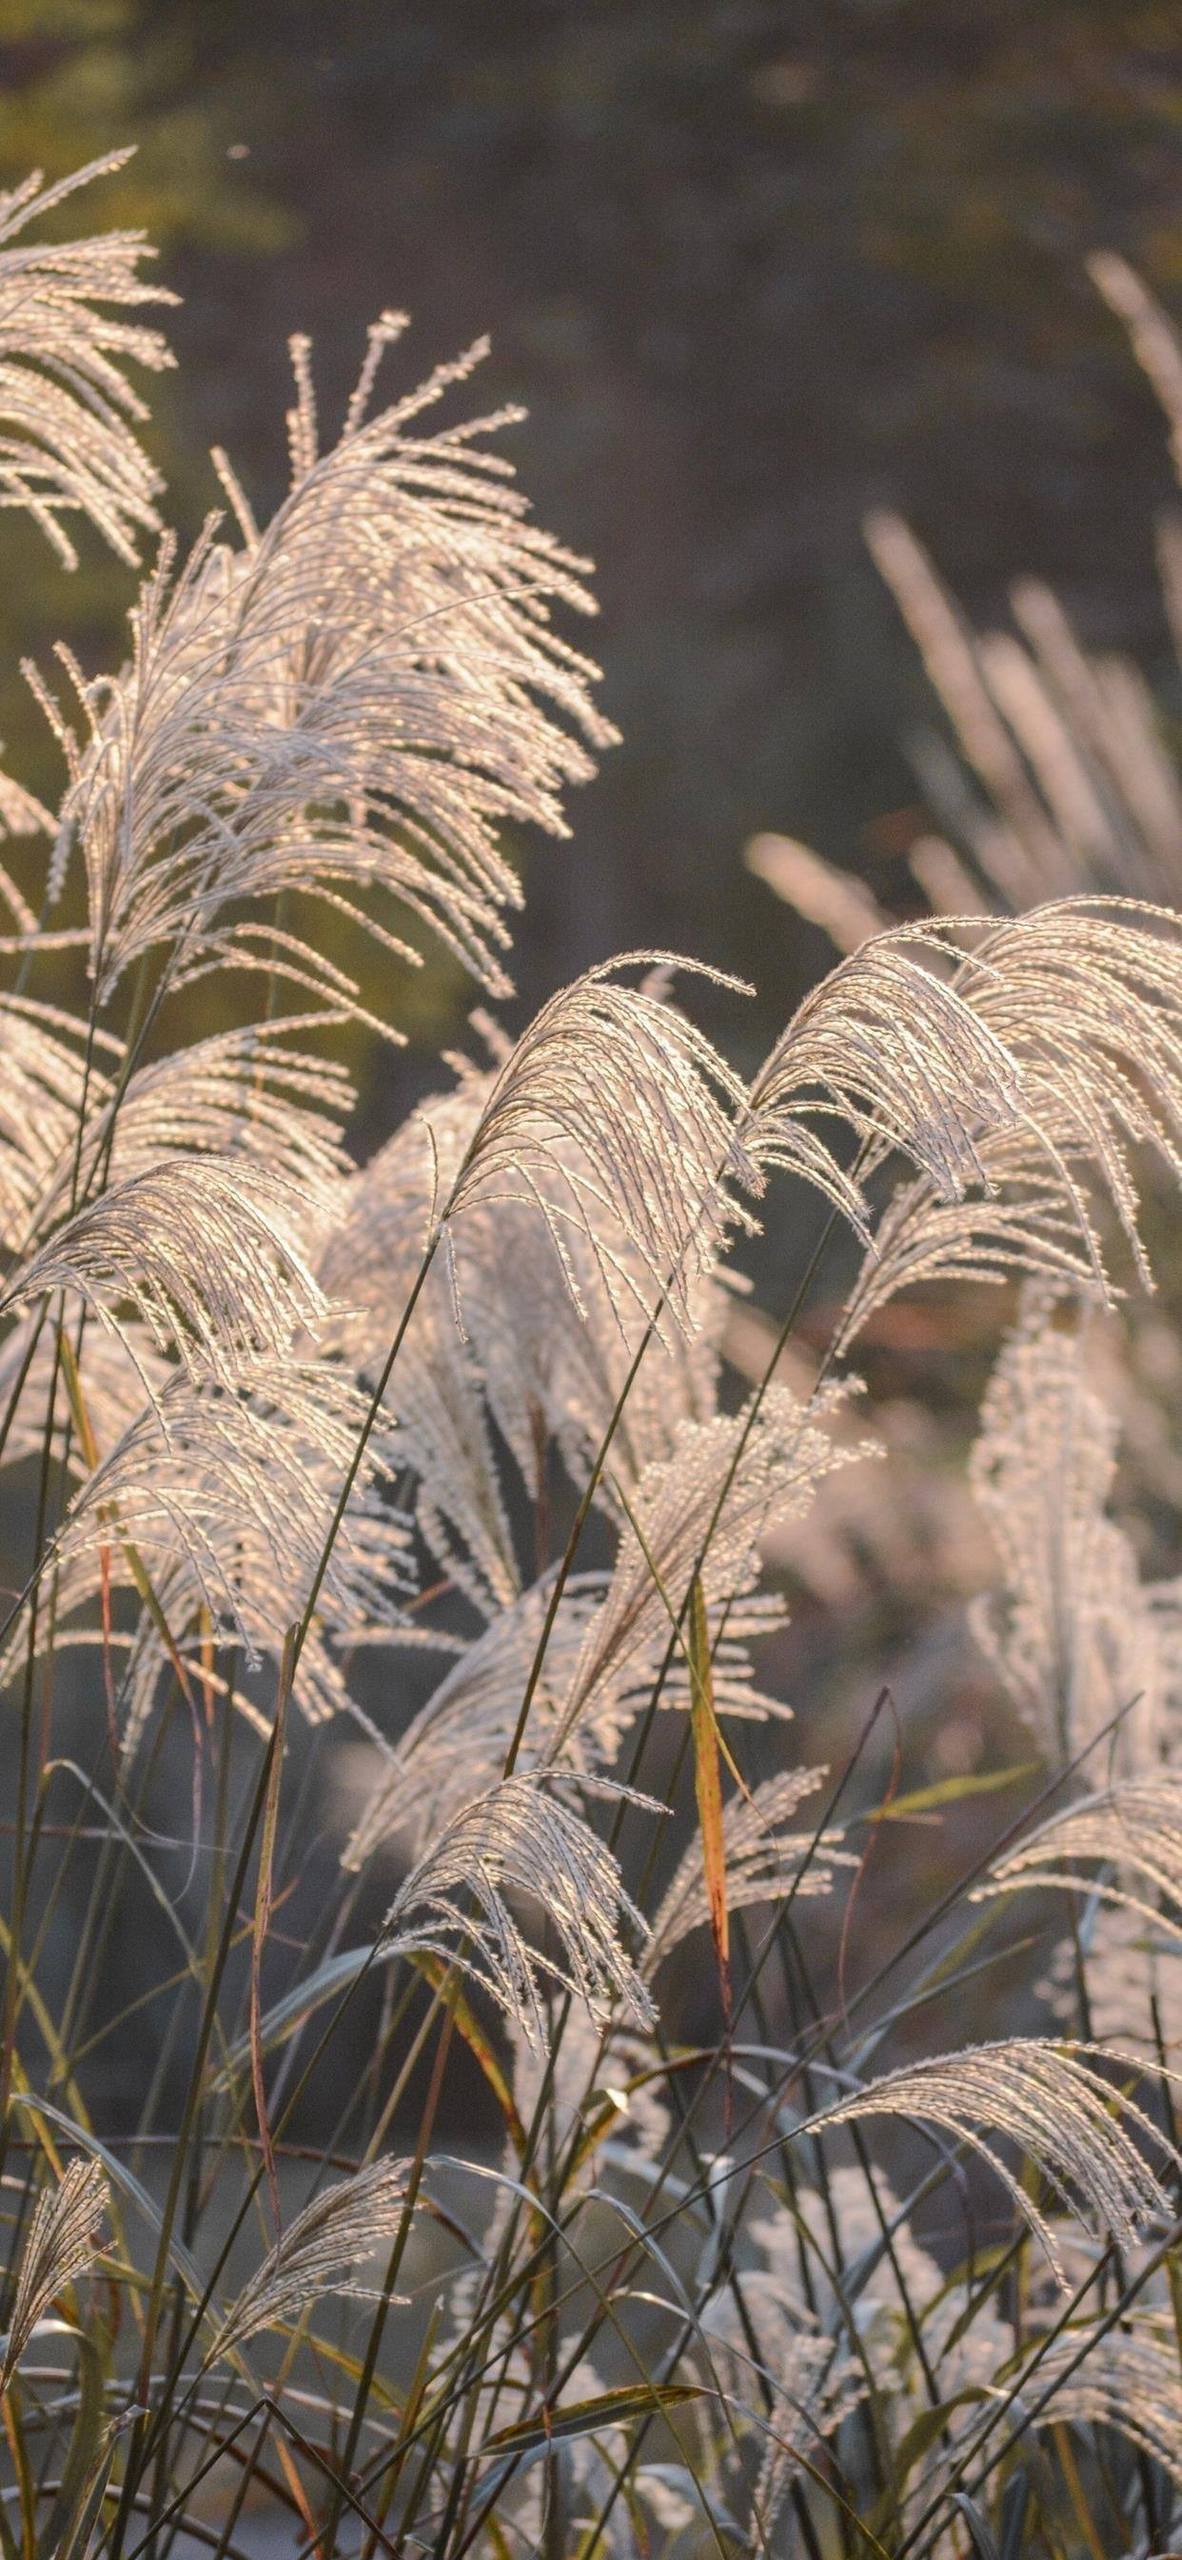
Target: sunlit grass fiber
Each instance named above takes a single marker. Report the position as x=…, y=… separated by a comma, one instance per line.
x=412, y=1510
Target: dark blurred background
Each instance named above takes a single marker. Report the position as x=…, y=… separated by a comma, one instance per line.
x=753, y=266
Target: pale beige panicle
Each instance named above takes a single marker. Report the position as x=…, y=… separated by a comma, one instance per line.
x=1073, y=1635
x=1125, y=2379
x=1084, y=1000
x=349, y=704
x=1154, y=339
x=204, y=1248
x=1132, y=1832
x=43, y=1085
x=68, y=414
x=223, y=1494
x=547, y=1339
x=520, y=1841
x=888, y=1046
x=766, y=1859
x=1023, y=854
x=246, y=1094
x=457, y=1744
x=318, y=2253
x=612, y=1105
x=724, y=1487
x=60, y=2245
x=1088, y=2139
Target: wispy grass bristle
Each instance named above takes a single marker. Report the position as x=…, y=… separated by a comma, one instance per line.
x=731, y=2136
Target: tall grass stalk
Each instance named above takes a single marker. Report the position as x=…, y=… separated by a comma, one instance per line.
x=464, y=2085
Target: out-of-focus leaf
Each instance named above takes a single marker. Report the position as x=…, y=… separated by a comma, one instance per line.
x=980, y=2531
x=1013, y=2515
x=979, y=1782
x=589, y=2417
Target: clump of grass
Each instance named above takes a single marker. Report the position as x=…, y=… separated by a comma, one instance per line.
x=440, y=1454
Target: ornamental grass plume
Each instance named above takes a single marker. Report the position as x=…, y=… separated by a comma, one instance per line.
x=412, y=1514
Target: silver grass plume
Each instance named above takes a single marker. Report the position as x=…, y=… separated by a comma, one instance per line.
x=660, y=2500
x=611, y=1632
x=814, y=2395
x=871, y=2289
x=347, y=704
x=248, y=1095
x=865, y=2303
x=765, y=1859
x=1123, y=821
x=458, y=1742
x=723, y=1488
x=68, y=413
x=553, y=1353
x=1063, y=780
x=1153, y=337
x=223, y=1494
x=1132, y=1832
x=1085, y=998
x=520, y=1841
x=1132, y=1972
x=1063, y=783
x=792, y=2384
x=610, y=1127
x=888, y=1047
x=120, y=1370
x=369, y=1266
x=204, y=1249
x=1012, y=835
x=43, y=1082
x=1072, y=1634
x=59, y=2247
x=552, y=1361
x=1127, y=2381
x=546, y=1343
x=595, y=2058
x=1026, y=1221
x=1080, y=2131
x=456, y=1745
x=613, y=1107
x=836, y=901
x=317, y=2254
